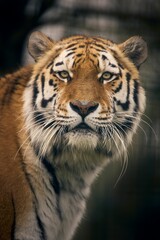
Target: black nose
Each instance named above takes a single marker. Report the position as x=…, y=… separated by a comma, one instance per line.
x=84, y=108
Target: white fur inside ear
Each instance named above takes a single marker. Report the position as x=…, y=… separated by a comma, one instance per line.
x=38, y=44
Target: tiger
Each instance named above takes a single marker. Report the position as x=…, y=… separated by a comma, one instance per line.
x=63, y=119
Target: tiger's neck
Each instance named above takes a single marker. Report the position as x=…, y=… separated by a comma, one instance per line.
x=62, y=180
x=74, y=169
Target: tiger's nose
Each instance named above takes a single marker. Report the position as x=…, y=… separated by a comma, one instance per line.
x=83, y=108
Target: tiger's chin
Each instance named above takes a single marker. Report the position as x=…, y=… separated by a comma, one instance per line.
x=82, y=139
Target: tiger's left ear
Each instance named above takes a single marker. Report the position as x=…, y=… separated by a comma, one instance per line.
x=135, y=48
x=39, y=44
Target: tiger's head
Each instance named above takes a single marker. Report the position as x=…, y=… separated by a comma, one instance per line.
x=84, y=93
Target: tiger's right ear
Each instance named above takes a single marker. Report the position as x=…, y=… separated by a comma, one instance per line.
x=38, y=44
x=135, y=48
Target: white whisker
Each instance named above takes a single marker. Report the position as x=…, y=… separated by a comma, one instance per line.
x=125, y=155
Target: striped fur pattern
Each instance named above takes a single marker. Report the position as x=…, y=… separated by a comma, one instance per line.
x=62, y=121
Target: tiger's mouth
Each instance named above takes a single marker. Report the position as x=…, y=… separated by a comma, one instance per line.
x=82, y=128
x=81, y=136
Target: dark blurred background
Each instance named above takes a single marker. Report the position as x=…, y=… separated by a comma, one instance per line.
x=131, y=209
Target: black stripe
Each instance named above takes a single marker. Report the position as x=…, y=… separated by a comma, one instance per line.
x=120, y=65
x=54, y=181
x=70, y=53
x=44, y=102
x=71, y=45
x=51, y=71
x=50, y=169
x=81, y=46
x=97, y=49
x=118, y=88
x=40, y=225
x=114, y=52
x=43, y=83
x=79, y=55
x=76, y=62
x=112, y=65
x=94, y=55
x=135, y=94
x=104, y=57
x=51, y=83
x=59, y=63
x=128, y=76
x=72, y=49
x=120, y=72
x=39, y=118
x=99, y=45
x=48, y=125
x=35, y=90
x=50, y=64
x=125, y=105
x=13, y=228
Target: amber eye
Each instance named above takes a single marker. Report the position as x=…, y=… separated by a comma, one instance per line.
x=64, y=75
x=106, y=76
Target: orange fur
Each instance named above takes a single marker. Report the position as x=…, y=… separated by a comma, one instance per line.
x=14, y=193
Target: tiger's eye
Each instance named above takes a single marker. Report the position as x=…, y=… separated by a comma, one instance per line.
x=64, y=74
x=106, y=75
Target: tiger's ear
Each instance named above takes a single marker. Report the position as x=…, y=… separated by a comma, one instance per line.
x=135, y=48
x=38, y=44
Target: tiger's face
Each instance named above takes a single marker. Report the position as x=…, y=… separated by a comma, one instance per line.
x=84, y=93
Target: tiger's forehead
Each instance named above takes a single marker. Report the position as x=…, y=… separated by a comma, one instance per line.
x=74, y=55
